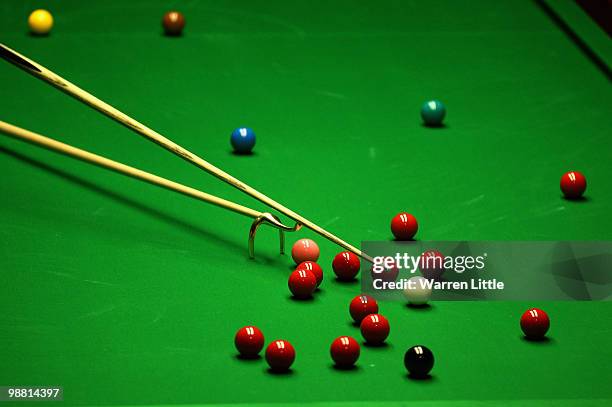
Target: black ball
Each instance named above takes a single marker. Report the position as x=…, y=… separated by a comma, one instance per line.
x=419, y=361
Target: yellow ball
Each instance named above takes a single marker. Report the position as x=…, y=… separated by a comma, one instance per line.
x=40, y=22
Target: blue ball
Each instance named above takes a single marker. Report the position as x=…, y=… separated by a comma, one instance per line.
x=243, y=140
x=433, y=112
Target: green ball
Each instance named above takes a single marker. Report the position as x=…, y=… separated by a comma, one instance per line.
x=433, y=112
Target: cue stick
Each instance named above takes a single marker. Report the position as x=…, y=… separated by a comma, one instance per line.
x=59, y=147
x=60, y=83
x=62, y=148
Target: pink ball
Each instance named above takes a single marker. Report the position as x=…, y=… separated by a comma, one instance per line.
x=305, y=250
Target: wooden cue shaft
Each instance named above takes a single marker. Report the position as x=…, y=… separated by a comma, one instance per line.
x=59, y=147
x=46, y=75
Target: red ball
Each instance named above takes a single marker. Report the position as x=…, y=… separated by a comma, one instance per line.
x=346, y=266
x=345, y=351
x=173, y=23
x=249, y=341
x=387, y=275
x=305, y=250
x=375, y=329
x=573, y=184
x=361, y=306
x=280, y=355
x=404, y=226
x=302, y=283
x=312, y=267
x=432, y=264
x=535, y=323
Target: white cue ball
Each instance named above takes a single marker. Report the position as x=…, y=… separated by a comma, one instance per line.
x=418, y=295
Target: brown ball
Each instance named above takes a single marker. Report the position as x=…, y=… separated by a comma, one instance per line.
x=173, y=23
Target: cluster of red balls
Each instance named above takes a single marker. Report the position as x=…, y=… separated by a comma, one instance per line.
x=249, y=341
x=308, y=274
x=344, y=350
x=374, y=327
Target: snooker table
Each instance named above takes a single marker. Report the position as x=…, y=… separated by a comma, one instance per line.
x=127, y=294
